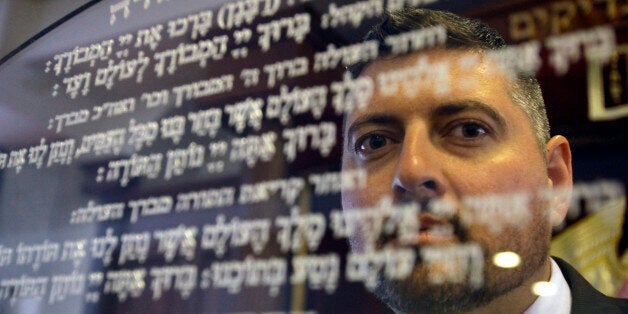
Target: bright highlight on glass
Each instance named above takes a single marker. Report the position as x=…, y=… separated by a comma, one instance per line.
x=544, y=288
x=506, y=259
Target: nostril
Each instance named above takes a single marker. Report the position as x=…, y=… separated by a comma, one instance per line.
x=430, y=184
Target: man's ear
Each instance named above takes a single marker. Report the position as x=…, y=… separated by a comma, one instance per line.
x=559, y=175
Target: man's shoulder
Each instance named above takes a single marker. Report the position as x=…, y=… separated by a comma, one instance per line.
x=585, y=298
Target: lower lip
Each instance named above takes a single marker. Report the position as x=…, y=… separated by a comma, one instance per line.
x=426, y=237
x=431, y=238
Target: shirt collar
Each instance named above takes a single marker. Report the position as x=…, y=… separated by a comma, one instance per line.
x=559, y=301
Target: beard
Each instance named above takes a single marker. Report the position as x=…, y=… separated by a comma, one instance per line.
x=418, y=293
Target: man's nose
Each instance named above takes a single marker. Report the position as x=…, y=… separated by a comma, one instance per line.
x=419, y=172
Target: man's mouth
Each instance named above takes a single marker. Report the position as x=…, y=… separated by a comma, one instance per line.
x=431, y=231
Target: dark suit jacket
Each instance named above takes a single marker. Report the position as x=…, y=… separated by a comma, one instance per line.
x=585, y=298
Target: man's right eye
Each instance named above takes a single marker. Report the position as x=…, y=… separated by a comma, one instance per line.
x=371, y=144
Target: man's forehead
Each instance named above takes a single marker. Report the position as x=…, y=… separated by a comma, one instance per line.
x=477, y=59
x=432, y=78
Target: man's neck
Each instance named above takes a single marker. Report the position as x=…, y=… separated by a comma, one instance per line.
x=520, y=298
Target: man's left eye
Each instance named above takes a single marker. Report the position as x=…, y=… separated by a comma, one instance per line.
x=469, y=130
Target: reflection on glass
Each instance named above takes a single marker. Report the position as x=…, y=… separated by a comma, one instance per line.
x=506, y=259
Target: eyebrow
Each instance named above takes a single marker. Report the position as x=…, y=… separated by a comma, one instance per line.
x=372, y=119
x=469, y=105
x=441, y=111
x=375, y=118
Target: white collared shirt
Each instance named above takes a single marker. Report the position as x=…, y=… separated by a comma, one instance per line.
x=558, y=300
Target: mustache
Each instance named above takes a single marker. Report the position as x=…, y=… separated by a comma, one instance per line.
x=434, y=215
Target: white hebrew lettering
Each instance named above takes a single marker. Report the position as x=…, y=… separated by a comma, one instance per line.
x=321, y=272
x=3, y=160
x=497, y=211
x=595, y=196
x=297, y=230
x=242, y=36
x=173, y=128
x=124, y=40
x=350, y=94
x=369, y=224
x=6, y=254
x=253, y=148
x=286, y=69
x=103, y=247
x=218, y=149
x=23, y=287
x=205, y=199
x=74, y=251
x=114, y=108
x=141, y=134
x=123, y=70
x=71, y=118
x=74, y=84
x=102, y=143
x=125, y=283
x=150, y=206
x=37, y=254
x=149, y=37
x=202, y=88
x=66, y=285
x=134, y=247
x=297, y=27
x=180, y=240
x=179, y=160
x=17, y=159
x=298, y=101
x=123, y=170
x=524, y=57
x=240, y=13
x=331, y=58
x=178, y=27
x=462, y=263
x=400, y=4
x=201, y=23
x=323, y=138
x=250, y=77
x=335, y=182
x=208, y=49
x=351, y=14
x=120, y=6
x=395, y=264
x=249, y=272
x=36, y=154
x=156, y=98
x=95, y=52
x=288, y=188
x=411, y=80
x=206, y=122
x=247, y=112
x=236, y=233
x=61, y=152
x=424, y=38
x=599, y=45
x=184, y=278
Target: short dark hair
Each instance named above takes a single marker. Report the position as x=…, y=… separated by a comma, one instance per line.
x=463, y=33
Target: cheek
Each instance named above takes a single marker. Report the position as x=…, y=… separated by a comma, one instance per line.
x=511, y=171
x=378, y=185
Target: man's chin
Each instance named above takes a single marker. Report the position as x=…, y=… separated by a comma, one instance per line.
x=418, y=294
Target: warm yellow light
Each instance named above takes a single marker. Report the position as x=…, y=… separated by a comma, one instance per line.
x=506, y=259
x=544, y=288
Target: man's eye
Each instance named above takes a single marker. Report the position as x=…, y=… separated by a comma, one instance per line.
x=371, y=143
x=469, y=130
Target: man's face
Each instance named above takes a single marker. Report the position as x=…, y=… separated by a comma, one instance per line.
x=447, y=129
